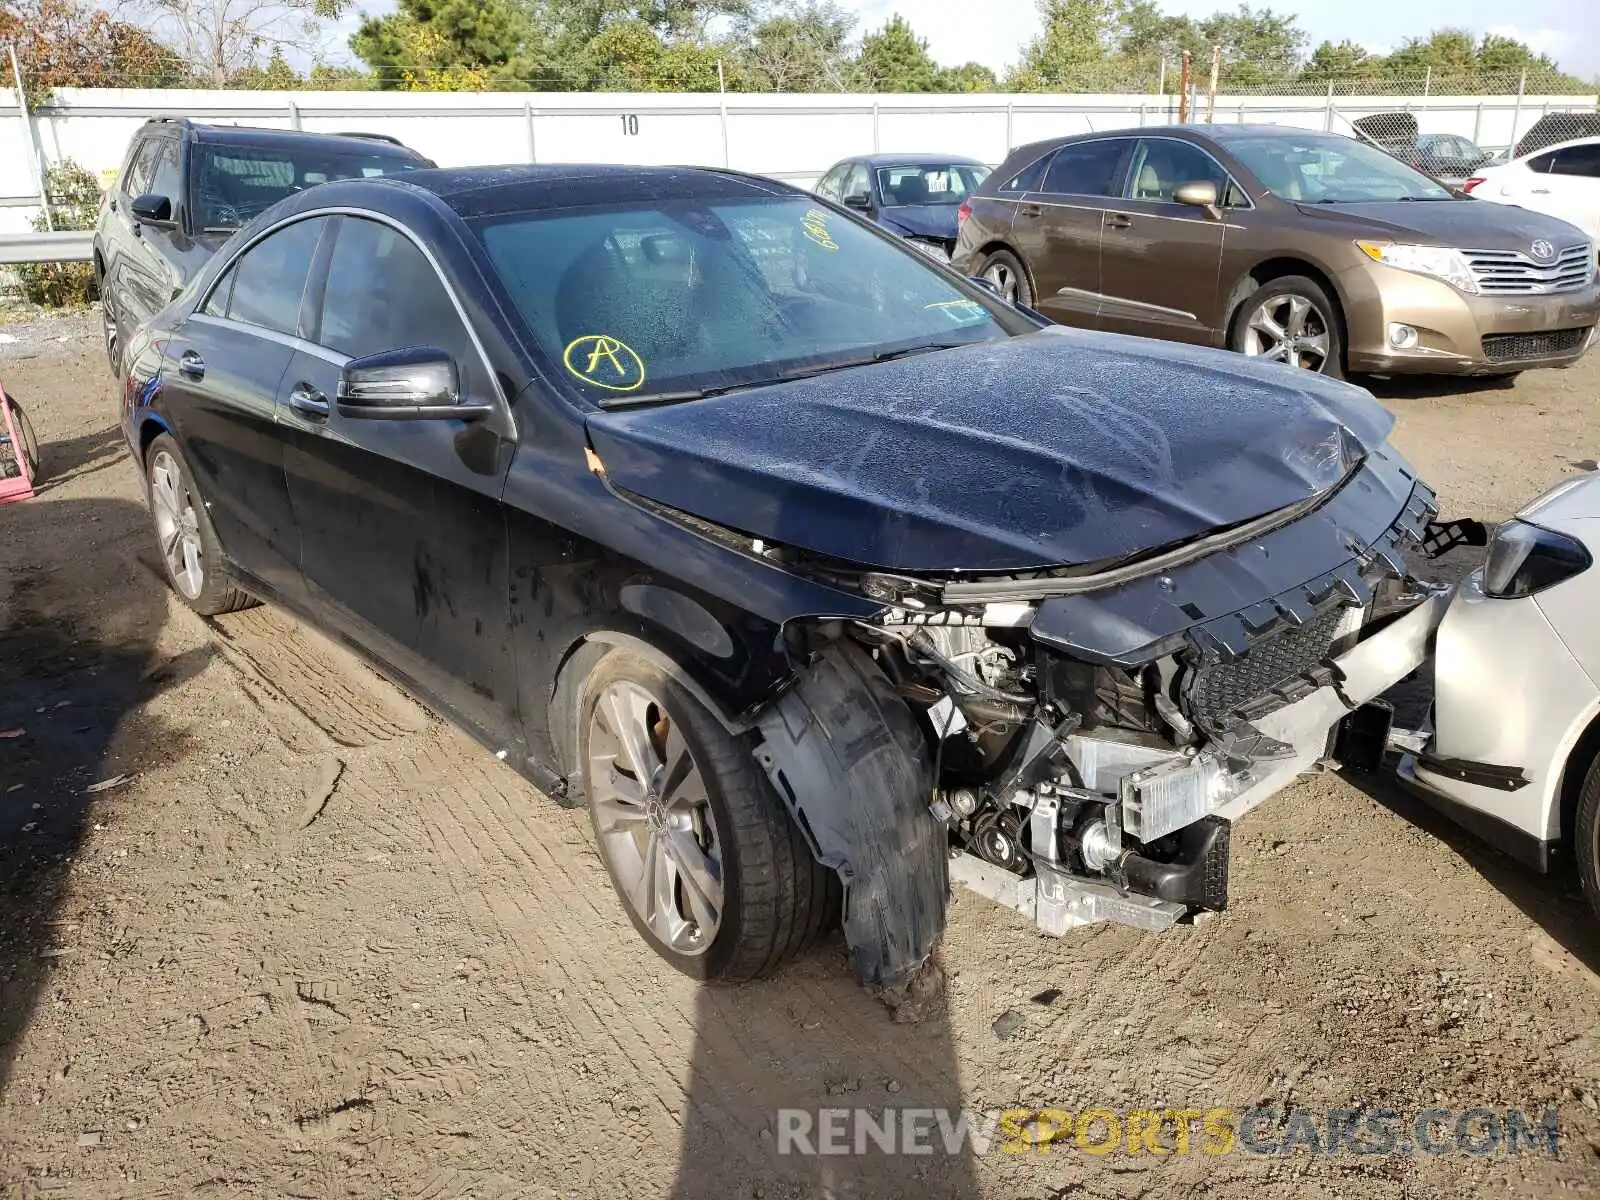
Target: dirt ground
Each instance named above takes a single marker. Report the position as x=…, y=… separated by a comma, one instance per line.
x=426, y=988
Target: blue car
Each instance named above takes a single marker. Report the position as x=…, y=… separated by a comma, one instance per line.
x=916, y=196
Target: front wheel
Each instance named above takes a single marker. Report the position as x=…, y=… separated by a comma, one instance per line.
x=185, y=538
x=1291, y=320
x=708, y=863
x=1586, y=836
x=1005, y=271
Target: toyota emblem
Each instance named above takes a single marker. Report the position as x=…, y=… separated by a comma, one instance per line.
x=1543, y=251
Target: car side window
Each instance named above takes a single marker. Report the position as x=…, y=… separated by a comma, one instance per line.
x=829, y=186
x=1161, y=166
x=166, y=180
x=1086, y=169
x=270, y=278
x=1030, y=178
x=136, y=179
x=1577, y=160
x=856, y=182
x=384, y=294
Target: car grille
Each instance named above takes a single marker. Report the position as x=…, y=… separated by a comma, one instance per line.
x=1512, y=273
x=1512, y=347
x=1276, y=670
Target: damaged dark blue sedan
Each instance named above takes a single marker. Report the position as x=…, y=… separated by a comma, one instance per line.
x=821, y=575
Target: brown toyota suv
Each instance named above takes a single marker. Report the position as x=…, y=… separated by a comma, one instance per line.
x=1309, y=248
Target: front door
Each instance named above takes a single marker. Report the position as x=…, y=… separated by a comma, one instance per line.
x=1161, y=261
x=1057, y=228
x=228, y=360
x=402, y=537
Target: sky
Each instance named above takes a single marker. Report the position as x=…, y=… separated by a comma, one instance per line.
x=992, y=31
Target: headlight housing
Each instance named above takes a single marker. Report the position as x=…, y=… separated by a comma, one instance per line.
x=1525, y=558
x=1441, y=262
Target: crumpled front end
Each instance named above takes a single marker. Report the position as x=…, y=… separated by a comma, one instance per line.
x=1092, y=736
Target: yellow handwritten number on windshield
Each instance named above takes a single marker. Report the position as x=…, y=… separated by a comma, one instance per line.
x=605, y=362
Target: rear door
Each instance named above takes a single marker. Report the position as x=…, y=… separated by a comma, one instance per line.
x=1566, y=184
x=1161, y=261
x=227, y=362
x=1057, y=227
x=402, y=537
x=123, y=240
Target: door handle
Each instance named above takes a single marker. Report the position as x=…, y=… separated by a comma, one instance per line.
x=1032, y=210
x=191, y=365
x=1540, y=191
x=1118, y=221
x=309, y=402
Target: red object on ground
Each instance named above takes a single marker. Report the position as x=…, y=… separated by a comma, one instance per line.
x=18, y=487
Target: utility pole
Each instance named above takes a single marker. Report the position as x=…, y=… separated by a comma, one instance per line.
x=1183, y=90
x=1211, y=94
x=33, y=145
x=722, y=107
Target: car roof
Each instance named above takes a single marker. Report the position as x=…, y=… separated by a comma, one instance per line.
x=250, y=135
x=1553, y=146
x=487, y=191
x=915, y=160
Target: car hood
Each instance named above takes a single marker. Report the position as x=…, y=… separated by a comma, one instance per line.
x=1465, y=223
x=921, y=220
x=1057, y=447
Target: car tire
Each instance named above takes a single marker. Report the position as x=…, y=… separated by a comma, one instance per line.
x=712, y=818
x=1005, y=271
x=110, y=333
x=185, y=539
x=1291, y=320
x=1586, y=836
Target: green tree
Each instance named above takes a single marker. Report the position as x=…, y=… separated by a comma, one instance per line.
x=1344, y=60
x=1259, y=47
x=628, y=55
x=969, y=77
x=800, y=46
x=895, y=59
x=74, y=204
x=1074, y=46
x=443, y=45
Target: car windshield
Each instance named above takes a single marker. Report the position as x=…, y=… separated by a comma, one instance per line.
x=1326, y=169
x=928, y=183
x=235, y=182
x=679, y=299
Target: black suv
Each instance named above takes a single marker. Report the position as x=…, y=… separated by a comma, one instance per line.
x=184, y=188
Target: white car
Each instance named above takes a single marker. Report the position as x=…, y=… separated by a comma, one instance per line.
x=1561, y=180
x=1514, y=751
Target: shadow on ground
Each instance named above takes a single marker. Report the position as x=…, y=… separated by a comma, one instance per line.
x=77, y=639
x=1554, y=902
x=1433, y=387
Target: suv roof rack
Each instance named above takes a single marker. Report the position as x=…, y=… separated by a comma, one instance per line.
x=371, y=137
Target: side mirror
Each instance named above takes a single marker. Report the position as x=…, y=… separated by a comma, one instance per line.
x=858, y=200
x=152, y=208
x=1199, y=194
x=419, y=383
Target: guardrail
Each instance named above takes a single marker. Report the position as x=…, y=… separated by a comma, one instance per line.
x=67, y=245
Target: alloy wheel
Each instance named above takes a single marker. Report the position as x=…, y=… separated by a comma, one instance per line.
x=108, y=325
x=177, y=526
x=652, y=816
x=1004, y=280
x=1289, y=329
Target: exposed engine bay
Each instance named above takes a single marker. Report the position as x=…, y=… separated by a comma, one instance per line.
x=1085, y=772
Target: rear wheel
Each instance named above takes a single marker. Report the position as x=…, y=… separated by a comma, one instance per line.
x=1005, y=271
x=708, y=864
x=185, y=538
x=1291, y=320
